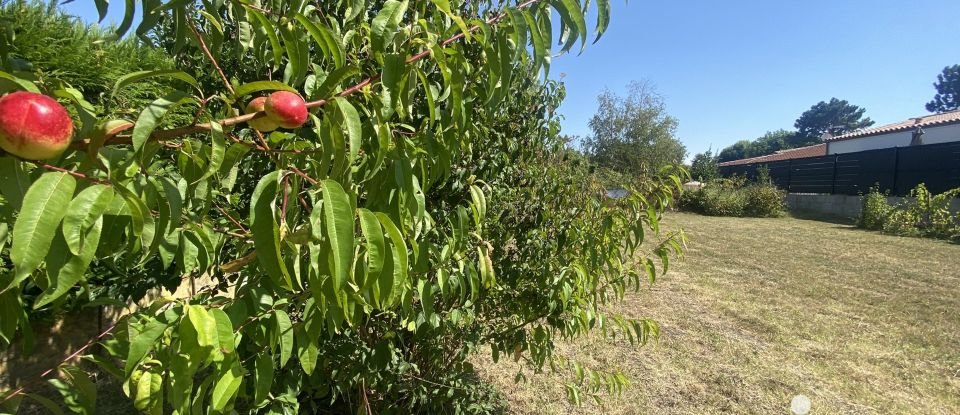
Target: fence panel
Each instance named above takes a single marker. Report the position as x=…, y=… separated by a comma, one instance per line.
x=896, y=170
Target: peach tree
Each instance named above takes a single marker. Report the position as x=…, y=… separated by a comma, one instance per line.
x=359, y=195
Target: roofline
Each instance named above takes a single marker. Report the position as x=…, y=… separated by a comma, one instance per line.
x=855, y=135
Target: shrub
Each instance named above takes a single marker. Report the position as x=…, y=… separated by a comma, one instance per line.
x=725, y=198
x=921, y=213
x=874, y=211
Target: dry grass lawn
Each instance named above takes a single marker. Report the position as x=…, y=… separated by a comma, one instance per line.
x=762, y=310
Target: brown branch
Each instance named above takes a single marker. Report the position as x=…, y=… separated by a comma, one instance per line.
x=74, y=174
x=213, y=60
x=300, y=173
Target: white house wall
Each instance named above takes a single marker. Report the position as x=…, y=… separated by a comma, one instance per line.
x=931, y=135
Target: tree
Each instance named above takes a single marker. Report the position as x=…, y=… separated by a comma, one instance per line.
x=427, y=210
x=948, y=91
x=836, y=117
x=634, y=134
x=704, y=167
x=740, y=150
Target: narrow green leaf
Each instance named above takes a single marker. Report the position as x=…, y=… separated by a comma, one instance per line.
x=338, y=214
x=285, y=333
x=23, y=83
x=226, y=387
x=258, y=86
x=351, y=120
x=152, y=115
x=44, y=205
x=218, y=149
x=296, y=55
x=142, y=341
x=571, y=13
x=129, y=9
x=83, y=212
x=376, y=247
x=384, y=27
x=65, y=269
x=331, y=47
x=101, y=9
x=135, y=77
x=400, y=255
x=392, y=80
x=333, y=81
x=270, y=31
x=266, y=230
x=603, y=18
x=263, y=375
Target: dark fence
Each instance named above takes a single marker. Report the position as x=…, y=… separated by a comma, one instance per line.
x=896, y=170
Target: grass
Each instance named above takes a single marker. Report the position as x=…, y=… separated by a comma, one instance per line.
x=762, y=310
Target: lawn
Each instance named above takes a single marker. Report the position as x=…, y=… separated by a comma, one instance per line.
x=762, y=310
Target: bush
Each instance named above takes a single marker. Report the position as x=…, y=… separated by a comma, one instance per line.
x=921, y=213
x=726, y=198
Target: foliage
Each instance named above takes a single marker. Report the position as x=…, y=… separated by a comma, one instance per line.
x=704, y=167
x=921, y=213
x=769, y=143
x=835, y=117
x=948, y=91
x=633, y=135
x=48, y=45
x=736, y=197
x=425, y=214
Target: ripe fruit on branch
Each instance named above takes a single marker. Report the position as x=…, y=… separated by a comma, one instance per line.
x=263, y=124
x=286, y=109
x=34, y=126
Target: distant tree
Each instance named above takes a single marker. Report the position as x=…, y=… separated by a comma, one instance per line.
x=634, y=134
x=836, y=117
x=948, y=91
x=704, y=167
x=772, y=142
x=740, y=150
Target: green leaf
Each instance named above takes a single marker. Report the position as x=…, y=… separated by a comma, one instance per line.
x=263, y=369
x=268, y=29
x=65, y=269
x=400, y=255
x=539, y=45
x=224, y=330
x=44, y=205
x=384, y=27
x=285, y=335
x=331, y=47
x=218, y=148
x=297, y=58
x=83, y=212
x=431, y=99
x=152, y=115
x=226, y=387
x=603, y=18
x=45, y=402
x=205, y=326
x=14, y=183
x=128, y=11
x=258, y=86
x=142, y=341
x=338, y=215
x=132, y=78
x=394, y=73
x=266, y=230
x=444, y=6
x=79, y=392
x=375, y=244
x=351, y=120
x=23, y=83
x=571, y=14
x=333, y=81
x=101, y=9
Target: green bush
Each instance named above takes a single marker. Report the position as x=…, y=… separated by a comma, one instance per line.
x=729, y=197
x=921, y=213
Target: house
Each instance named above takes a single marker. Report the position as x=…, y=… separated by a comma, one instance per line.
x=928, y=129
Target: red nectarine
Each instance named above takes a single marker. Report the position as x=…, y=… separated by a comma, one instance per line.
x=34, y=126
x=263, y=124
x=286, y=109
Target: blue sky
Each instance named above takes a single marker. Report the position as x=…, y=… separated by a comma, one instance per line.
x=732, y=70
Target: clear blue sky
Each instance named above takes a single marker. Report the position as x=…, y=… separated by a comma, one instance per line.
x=732, y=70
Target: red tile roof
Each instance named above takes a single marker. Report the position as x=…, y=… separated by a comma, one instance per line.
x=793, y=153
x=909, y=124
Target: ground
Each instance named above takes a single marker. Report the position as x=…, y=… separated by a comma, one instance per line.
x=762, y=310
